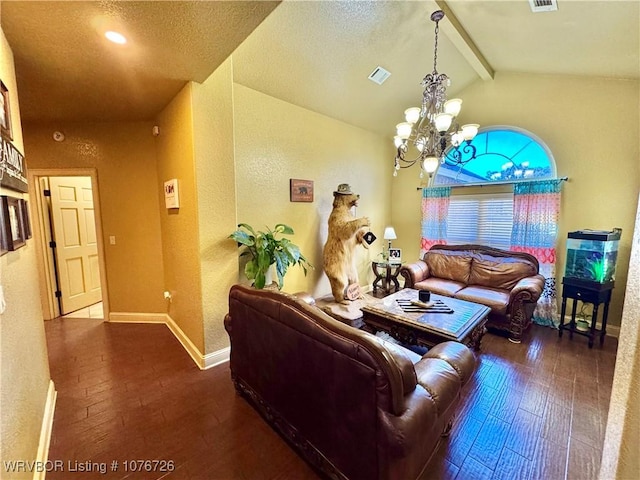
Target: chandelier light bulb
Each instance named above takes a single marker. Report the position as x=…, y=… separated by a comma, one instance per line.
x=443, y=122
x=412, y=115
x=430, y=164
x=397, y=141
x=457, y=139
x=403, y=130
x=421, y=143
x=453, y=106
x=469, y=131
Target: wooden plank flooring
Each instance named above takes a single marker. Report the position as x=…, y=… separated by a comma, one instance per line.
x=130, y=392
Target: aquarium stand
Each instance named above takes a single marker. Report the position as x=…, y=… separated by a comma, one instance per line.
x=587, y=292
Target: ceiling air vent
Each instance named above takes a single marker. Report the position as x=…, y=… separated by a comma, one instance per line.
x=543, y=5
x=379, y=75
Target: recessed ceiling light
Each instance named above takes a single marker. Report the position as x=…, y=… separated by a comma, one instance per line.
x=115, y=37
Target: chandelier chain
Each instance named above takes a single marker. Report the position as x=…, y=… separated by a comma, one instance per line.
x=435, y=51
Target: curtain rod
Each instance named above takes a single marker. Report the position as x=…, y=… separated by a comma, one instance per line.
x=463, y=185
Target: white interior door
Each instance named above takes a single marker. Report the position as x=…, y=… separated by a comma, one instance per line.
x=76, y=249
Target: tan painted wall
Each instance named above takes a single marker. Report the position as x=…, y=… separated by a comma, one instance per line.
x=620, y=457
x=24, y=368
x=277, y=141
x=181, y=252
x=216, y=187
x=591, y=127
x=124, y=156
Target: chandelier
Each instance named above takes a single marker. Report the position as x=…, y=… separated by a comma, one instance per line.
x=433, y=129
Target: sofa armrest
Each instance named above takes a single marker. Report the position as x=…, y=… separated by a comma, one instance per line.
x=527, y=290
x=404, y=361
x=414, y=272
x=457, y=355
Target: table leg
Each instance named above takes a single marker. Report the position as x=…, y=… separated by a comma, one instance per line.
x=605, y=314
x=378, y=279
x=562, y=313
x=387, y=280
x=394, y=278
x=573, y=318
x=594, y=319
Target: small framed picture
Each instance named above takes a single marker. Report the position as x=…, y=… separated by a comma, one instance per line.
x=300, y=190
x=4, y=241
x=5, y=113
x=171, y=196
x=395, y=255
x=13, y=223
x=26, y=220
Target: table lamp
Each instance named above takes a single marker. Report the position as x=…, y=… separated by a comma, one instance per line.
x=389, y=234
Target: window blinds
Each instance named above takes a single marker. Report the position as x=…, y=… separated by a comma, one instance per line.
x=484, y=219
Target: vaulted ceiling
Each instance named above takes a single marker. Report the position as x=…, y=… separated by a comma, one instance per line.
x=316, y=54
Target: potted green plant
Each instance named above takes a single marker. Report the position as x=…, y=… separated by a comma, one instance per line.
x=265, y=249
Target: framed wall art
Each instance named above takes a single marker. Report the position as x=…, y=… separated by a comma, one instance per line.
x=5, y=113
x=26, y=220
x=13, y=223
x=4, y=243
x=300, y=190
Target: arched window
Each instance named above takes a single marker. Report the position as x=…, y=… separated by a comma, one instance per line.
x=502, y=154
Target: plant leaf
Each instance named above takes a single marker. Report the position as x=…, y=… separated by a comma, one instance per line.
x=284, y=229
x=242, y=238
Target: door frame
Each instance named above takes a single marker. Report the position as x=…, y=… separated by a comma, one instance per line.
x=50, y=308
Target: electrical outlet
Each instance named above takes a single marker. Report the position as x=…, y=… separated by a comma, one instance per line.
x=167, y=295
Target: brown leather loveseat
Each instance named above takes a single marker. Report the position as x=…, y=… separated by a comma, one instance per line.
x=507, y=282
x=353, y=405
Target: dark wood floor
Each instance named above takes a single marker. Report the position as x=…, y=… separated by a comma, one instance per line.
x=130, y=392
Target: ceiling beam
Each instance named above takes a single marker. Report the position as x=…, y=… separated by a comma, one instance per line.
x=462, y=41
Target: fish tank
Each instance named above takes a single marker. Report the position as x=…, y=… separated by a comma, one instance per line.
x=592, y=255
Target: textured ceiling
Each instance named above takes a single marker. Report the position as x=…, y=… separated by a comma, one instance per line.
x=66, y=69
x=319, y=54
x=316, y=54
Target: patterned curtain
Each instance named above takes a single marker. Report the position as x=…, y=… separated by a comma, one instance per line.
x=536, y=207
x=435, y=208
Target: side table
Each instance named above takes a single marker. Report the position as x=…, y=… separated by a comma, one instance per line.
x=386, y=273
x=587, y=292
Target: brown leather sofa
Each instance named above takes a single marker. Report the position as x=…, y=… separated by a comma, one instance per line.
x=353, y=405
x=507, y=282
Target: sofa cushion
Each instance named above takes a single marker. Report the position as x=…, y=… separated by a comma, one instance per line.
x=499, y=272
x=450, y=265
x=437, y=285
x=494, y=298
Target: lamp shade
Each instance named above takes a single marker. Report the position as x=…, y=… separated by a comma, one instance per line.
x=430, y=164
x=443, y=121
x=453, y=106
x=470, y=130
x=412, y=115
x=389, y=233
x=404, y=130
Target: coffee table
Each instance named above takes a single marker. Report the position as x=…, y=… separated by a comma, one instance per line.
x=448, y=319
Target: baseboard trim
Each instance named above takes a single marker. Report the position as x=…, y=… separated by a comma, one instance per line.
x=128, y=317
x=217, y=357
x=45, y=432
x=202, y=361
